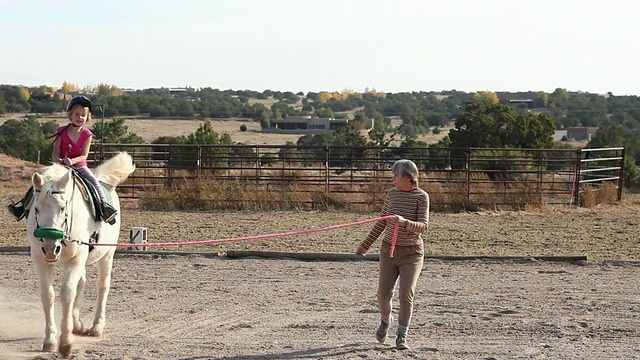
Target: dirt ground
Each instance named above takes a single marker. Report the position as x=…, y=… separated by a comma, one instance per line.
x=195, y=307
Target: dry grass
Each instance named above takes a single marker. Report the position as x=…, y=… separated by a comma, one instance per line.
x=594, y=195
x=151, y=129
x=245, y=193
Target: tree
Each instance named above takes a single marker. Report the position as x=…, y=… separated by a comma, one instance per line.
x=68, y=87
x=485, y=97
x=348, y=136
x=560, y=97
x=46, y=107
x=115, y=132
x=22, y=94
x=543, y=97
x=108, y=90
x=3, y=105
x=325, y=113
x=361, y=118
x=49, y=127
x=205, y=135
x=610, y=136
x=22, y=139
x=185, y=109
x=498, y=126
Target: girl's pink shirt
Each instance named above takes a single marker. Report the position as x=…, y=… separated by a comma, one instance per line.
x=71, y=149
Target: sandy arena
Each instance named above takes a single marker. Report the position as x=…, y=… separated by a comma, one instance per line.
x=195, y=307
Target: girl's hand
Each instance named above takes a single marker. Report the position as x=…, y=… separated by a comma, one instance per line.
x=66, y=161
x=361, y=251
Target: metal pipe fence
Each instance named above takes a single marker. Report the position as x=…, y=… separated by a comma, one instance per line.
x=482, y=176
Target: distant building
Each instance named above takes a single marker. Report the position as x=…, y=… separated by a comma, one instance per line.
x=559, y=134
x=309, y=125
x=581, y=133
x=174, y=90
x=50, y=95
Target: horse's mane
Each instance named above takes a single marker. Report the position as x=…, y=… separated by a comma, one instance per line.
x=113, y=171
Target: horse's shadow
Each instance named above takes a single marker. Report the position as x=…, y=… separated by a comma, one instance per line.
x=17, y=340
x=316, y=353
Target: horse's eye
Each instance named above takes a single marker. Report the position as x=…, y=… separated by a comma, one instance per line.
x=62, y=208
x=36, y=210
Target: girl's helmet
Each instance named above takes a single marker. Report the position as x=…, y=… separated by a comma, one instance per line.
x=79, y=100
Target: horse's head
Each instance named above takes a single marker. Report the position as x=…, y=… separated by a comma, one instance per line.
x=52, y=208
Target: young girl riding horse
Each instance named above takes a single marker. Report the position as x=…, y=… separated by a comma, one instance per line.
x=71, y=148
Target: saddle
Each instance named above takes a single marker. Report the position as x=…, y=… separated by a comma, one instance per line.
x=90, y=194
x=88, y=191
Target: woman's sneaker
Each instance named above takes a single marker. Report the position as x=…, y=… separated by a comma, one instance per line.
x=401, y=342
x=383, y=330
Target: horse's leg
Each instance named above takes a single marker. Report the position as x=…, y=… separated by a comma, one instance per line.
x=48, y=298
x=73, y=273
x=103, y=286
x=78, y=327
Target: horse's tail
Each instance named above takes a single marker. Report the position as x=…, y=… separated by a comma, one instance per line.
x=115, y=170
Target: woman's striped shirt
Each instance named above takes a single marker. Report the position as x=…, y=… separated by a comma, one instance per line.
x=412, y=205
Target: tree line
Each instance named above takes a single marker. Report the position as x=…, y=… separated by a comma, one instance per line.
x=420, y=111
x=483, y=119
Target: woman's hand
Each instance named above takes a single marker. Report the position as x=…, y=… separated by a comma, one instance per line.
x=399, y=220
x=361, y=251
x=66, y=161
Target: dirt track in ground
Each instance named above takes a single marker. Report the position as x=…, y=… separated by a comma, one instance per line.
x=213, y=308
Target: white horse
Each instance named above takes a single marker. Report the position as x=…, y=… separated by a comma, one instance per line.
x=59, y=218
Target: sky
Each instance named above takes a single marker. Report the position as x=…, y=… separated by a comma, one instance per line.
x=324, y=45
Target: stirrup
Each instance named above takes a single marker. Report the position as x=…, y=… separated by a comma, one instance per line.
x=108, y=214
x=17, y=210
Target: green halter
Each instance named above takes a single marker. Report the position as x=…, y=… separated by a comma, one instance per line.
x=48, y=233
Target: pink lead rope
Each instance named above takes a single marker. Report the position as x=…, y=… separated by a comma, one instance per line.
x=393, y=241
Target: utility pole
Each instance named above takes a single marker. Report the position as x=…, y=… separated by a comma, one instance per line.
x=101, y=107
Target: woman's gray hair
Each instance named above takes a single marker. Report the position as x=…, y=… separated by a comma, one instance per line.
x=406, y=167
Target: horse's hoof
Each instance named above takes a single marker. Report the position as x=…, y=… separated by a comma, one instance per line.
x=65, y=350
x=78, y=328
x=93, y=332
x=48, y=347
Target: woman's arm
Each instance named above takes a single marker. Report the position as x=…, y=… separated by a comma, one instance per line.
x=422, y=223
x=376, y=231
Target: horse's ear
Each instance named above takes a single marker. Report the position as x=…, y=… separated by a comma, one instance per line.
x=37, y=180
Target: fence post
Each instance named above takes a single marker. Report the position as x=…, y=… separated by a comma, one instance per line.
x=541, y=154
x=199, y=161
x=468, y=170
x=326, y=166
x=621, y=175
x=170, y=167
x=258, y=165
x=576, y=177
